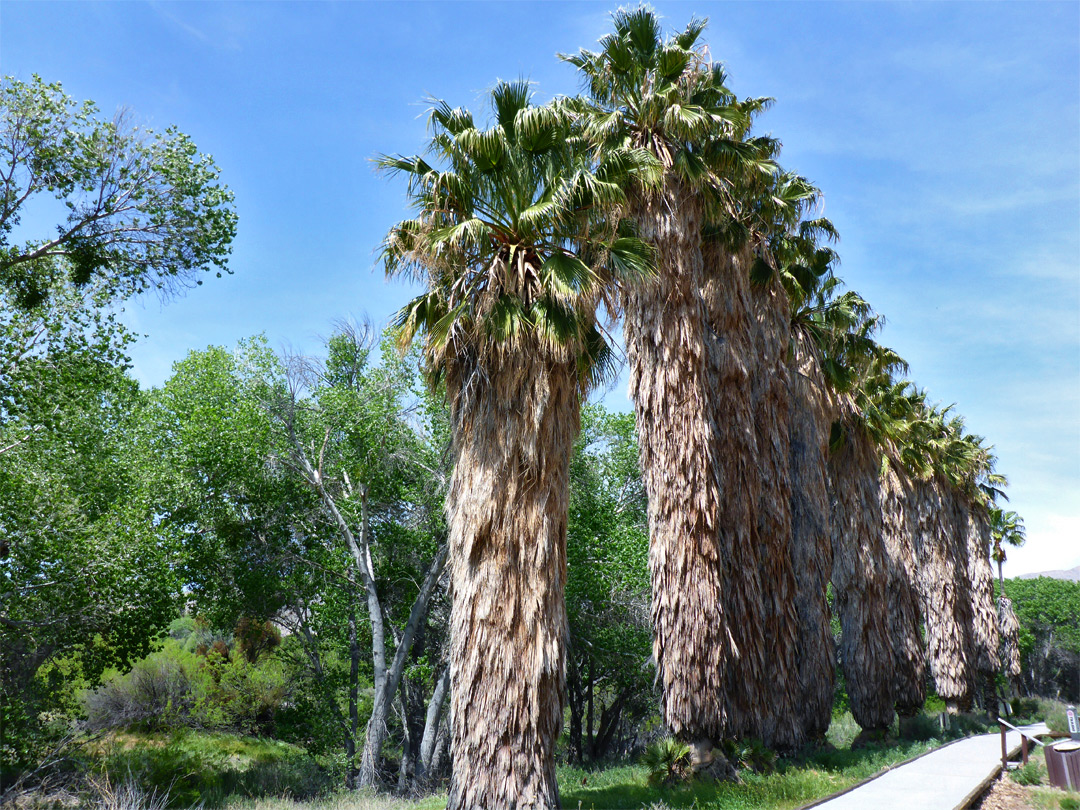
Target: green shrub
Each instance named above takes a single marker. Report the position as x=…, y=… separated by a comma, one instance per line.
x=1054, y=715
x=1069, y=803
x=174, y=688
x=842, y=730
x=1030, y=774
x=964, y=725
x=157, y=693
x=923, y=727
x=668, y=762
x=1025, y=710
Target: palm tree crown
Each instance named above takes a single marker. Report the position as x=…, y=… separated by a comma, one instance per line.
x=508, y=235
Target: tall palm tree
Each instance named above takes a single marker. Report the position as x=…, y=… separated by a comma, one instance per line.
x=665, y=96
x=979, y=485
x=1007, y=528
x=764, y=247
x=868, y=429
x=904, y=605
x=941, y=547
x=826, y=327
x=898, y=505
x=508, y=241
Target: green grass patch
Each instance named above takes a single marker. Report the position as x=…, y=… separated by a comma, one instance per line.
x=245, y=773
x=795, y=782
x=208, y=768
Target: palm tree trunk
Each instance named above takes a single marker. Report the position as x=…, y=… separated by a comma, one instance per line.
x=664, y=327
x=731, y=350
x=1010, y=640
x=514, y=419
x=981, y=575
x=909, y=676
x=860, y=581
x=811, y=542
x=779, y=725
x=944, y=609
x=985, y=638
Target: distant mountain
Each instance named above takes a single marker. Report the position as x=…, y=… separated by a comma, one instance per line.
x=1073, y=574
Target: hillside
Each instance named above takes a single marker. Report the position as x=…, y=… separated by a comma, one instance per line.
x=1072, y=575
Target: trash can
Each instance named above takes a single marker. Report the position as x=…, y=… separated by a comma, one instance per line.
x=1063, y=764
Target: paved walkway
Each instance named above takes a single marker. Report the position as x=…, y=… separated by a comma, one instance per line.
x=940, y=780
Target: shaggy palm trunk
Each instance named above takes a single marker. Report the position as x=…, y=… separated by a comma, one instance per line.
x=985, y=636
x=811, y=541
x=957, y=540
x=984, y=627
x=1010, y=640
x=946, y=610
x=909, y=675
x=664, y=328
x=515, y=416
x=779, y=722
x=732, y=353
x=860, y=580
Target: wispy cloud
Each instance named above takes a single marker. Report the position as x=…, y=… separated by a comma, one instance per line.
x=162, y=10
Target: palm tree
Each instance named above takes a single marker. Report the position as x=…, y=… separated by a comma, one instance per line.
x=1007, y=528
x=753, y=260
x=899, y=510
x=872, y=419
x=979, y=486
x=904, y=604
x=666, y=97
x=941, y=547
x=826, y=328
x=509, y=241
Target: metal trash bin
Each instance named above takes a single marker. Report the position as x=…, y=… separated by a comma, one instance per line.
x=1063, y=764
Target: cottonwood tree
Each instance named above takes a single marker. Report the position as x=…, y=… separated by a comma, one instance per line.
x=380, y=483
x=308, y=489
x=84, y=575
x=144, y=209
x=609, y=675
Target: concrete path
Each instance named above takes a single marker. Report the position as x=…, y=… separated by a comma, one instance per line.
x=941, y=780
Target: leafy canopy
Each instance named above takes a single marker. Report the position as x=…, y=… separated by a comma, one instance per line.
x=144, y=210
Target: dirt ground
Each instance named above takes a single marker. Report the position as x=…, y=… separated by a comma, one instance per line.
x=1006, y=795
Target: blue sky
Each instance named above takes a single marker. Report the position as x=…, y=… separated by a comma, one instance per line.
x=946, y=138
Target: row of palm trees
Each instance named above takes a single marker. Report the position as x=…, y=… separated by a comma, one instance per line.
x=781, y=449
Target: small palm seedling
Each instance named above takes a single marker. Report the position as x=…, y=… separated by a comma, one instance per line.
x=668, y=762
x=751, y=754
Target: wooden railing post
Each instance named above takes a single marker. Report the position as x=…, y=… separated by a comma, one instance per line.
x=1004, y=750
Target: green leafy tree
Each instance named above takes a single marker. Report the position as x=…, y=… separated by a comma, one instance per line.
x=85, y=577
x=307, y=489
x=144, y=210
x=607, y=588
x=1047, y=610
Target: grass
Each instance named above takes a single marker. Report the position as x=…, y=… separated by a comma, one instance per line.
x=794, y=783
x=199, y=768
x=239, y=773
x=354, y=800
x=243, y=773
